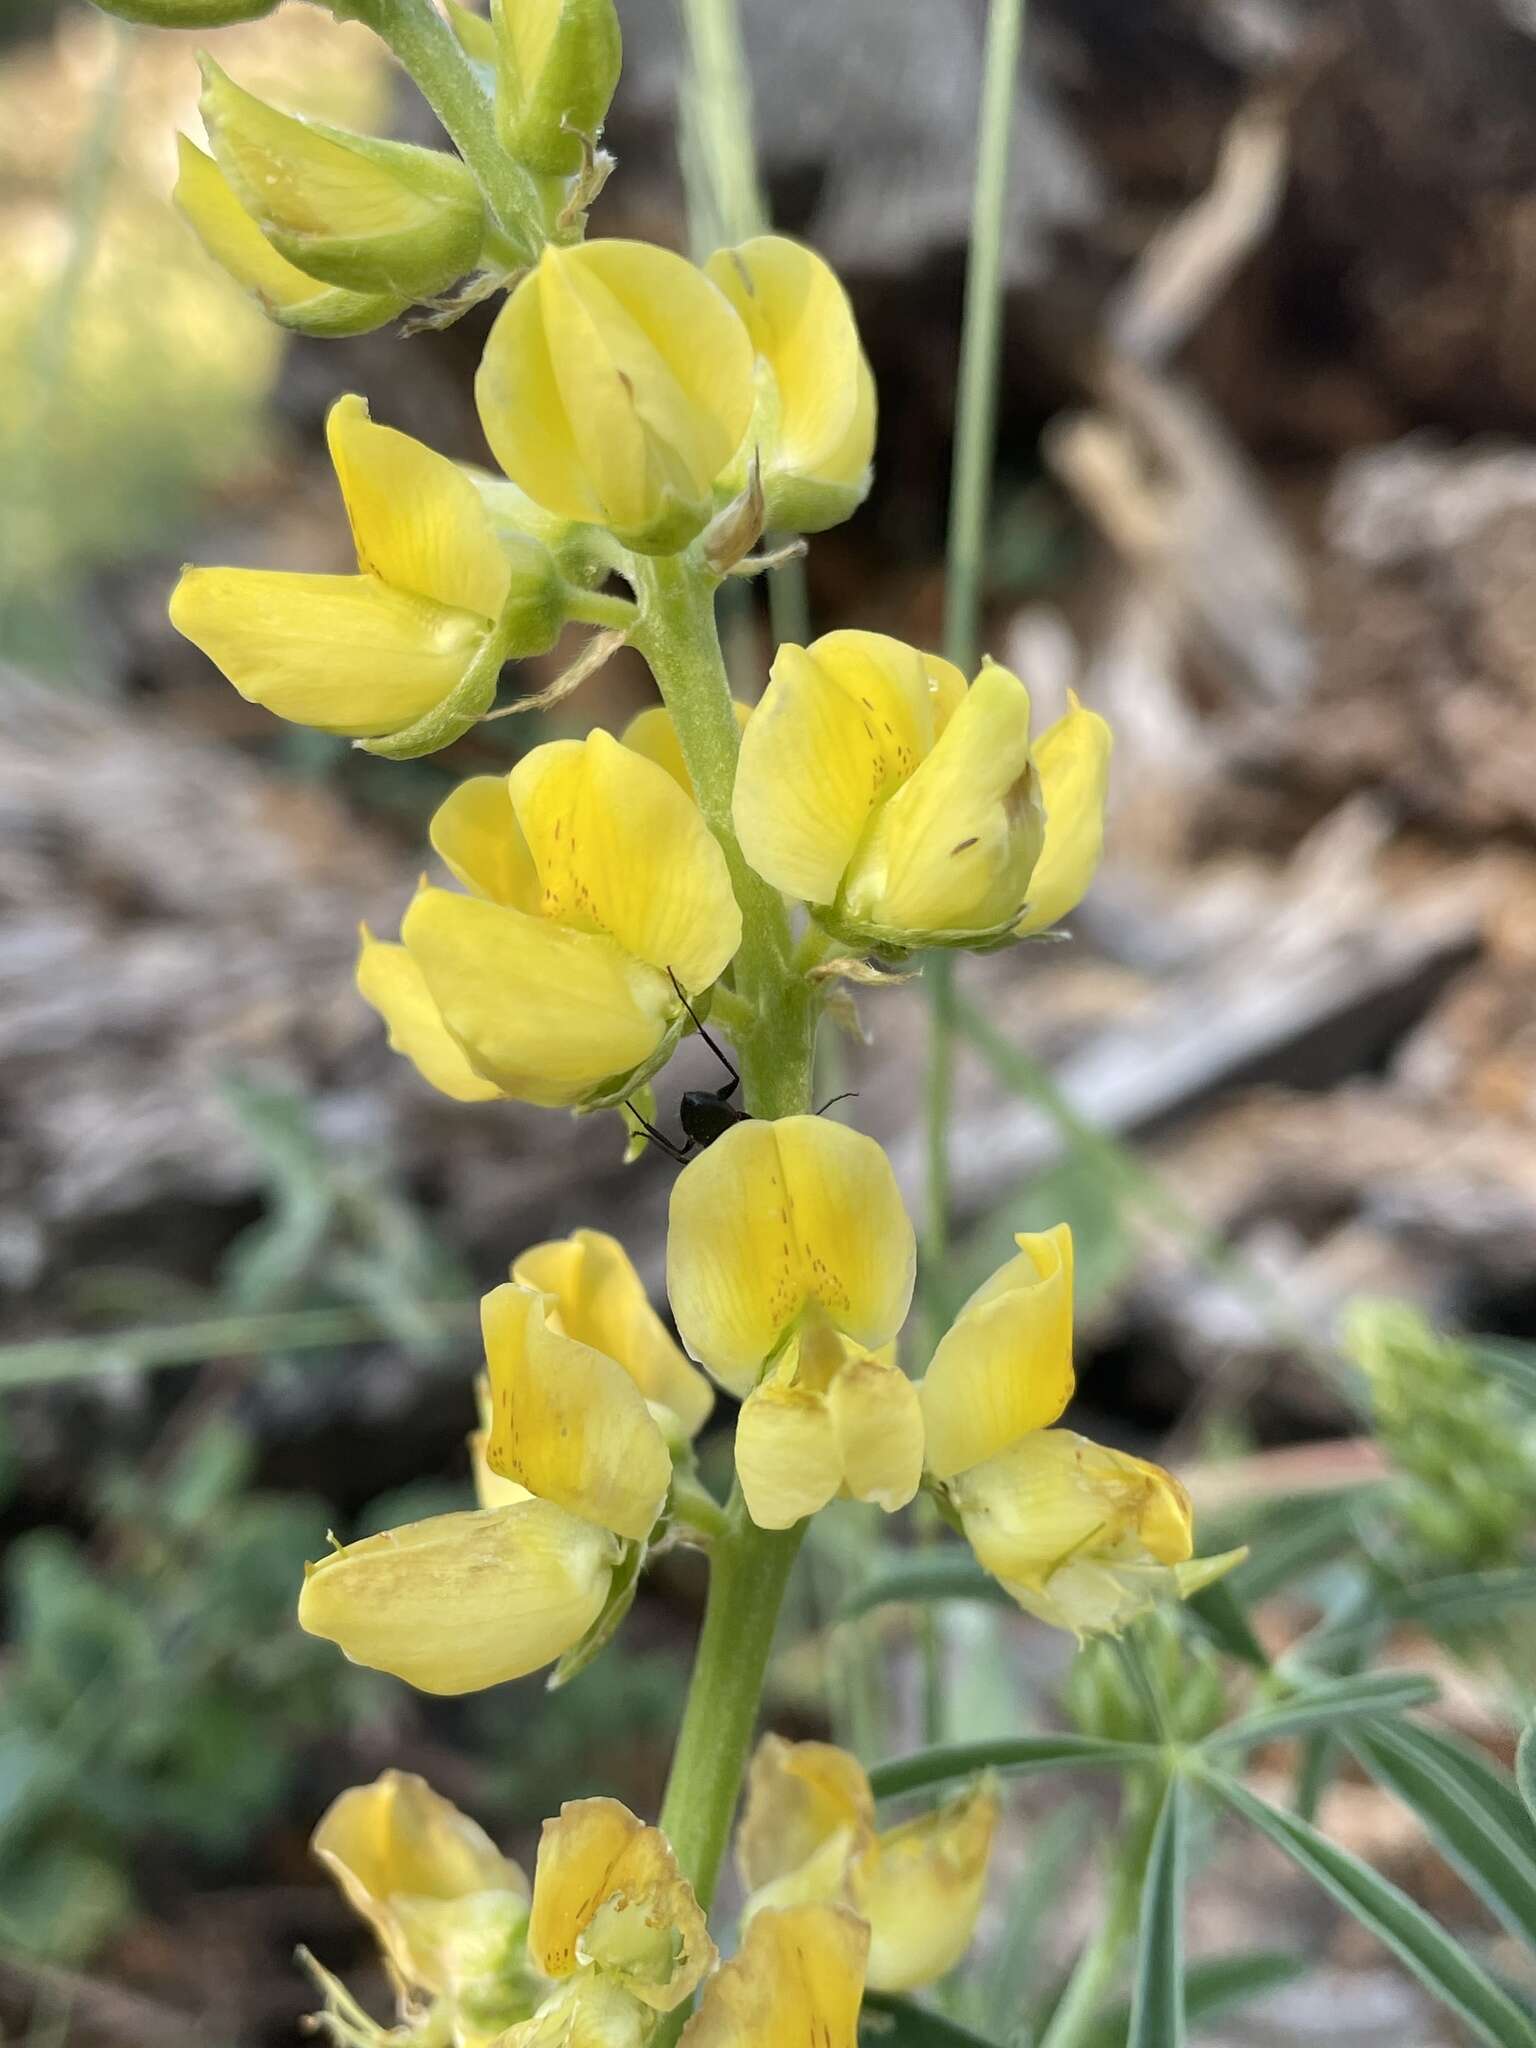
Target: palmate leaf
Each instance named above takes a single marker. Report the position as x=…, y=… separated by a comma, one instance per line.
x=1015, y=1755
x=1157, y=1999
x=1445, y=1970
x=1472, y=1812
x=1211, y=1987
x=1326, y=1703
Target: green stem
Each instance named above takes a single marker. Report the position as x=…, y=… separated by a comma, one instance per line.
x=599, y=608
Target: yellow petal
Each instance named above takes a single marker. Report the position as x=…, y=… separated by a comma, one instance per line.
x=397, y=1841
x=585, y=2012
x=778, y=1218
x=608, y=1893
x=652, y=733
x=842, y=724
x=567, y=1422
x=389, y=979
x=418, y=522
x=475, y=831
x=1004, y=1366
x=799, y=1795
x=620, y=849
x=340, y=653
x=1072, y=761
x=601, y=1300
x=787, y=1454
x=548, y=1014
x=491, y=1490
x=798, y=1978
x=953, y=849
x=879, y=1426
x=920, y=1888
x=464, y=1601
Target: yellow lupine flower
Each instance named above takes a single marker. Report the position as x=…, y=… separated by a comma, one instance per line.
x=815, y=424
x=781, y=1223
x=600, y=1300
x=652, y=733
x=463, y=1601
x=1082, y=1536
x=1004, y=1366
x=1072, y=760
x=808, y=1835
x=351, y=210
x=491, y=1489
x=376, y=655
x=449, y=1911
x=798, y=1977
x=828, y=1418
x=590, y=875
x=615, y=388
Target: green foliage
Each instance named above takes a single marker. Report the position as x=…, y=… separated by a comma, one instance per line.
x=1157, y=2002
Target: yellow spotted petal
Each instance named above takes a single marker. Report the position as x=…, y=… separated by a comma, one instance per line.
x=620, y=849
x=800, y=1795
x=601, y=1300
x=463, y=1601
x=1072, y=761
x=607, y=1893
x=475, y=831
x=389, y=979
x=1004, y=1366
x=344, y=654
x=491, y=1490
x=953, y=849
x=568, y=1422
x=788, y=1458
x=841, y=725
x=776, y=1219
x=548, y=1014
x=652, y=733
x=798, y=1978
x=879, y=1426
x=418, y=523
x=920, y=1888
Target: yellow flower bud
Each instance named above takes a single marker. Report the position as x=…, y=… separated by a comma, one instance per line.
x=447, y=1908
x=829, y=1418
x=1004, y=1367
x=463, y=1601
x=1083, y=1537
x=798, y=1976
x=904, y=807
x=814, y=428
x=615, y=388
x=808, y=1836
x=557, y=68
x=351, y=210
x=405, y=655
x=780, y=1222
x=590, y=875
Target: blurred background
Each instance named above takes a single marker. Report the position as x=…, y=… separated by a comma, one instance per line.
x=1266, y=498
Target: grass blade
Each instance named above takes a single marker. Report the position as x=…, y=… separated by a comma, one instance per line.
x=1015, y=1755
x=1157, y=2000
x=1325, y=1704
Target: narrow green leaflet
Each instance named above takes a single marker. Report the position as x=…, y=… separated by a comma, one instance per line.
x=947, y=1572
x=1157, y=2000
x=1525, y=1769
x=903, y=2023
x=1326, y=1703
x=1221, y=1614
x=1211, y=1988
x=1472, y=1812
x=1465, y=1600
x=1014, y=1754
x=1441, y=1966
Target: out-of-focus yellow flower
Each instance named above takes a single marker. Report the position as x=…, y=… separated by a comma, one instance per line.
x=828, y=1418
x=652, y=733
x=1005, y=1364
x=350, y=210
x=782, y=1225
x=798, y=1977
x=464, y=1601
x=599, y=1299
x=1072, y=761
x=808, y=1836
x=814, y=429
x=615, y=388
x=557, y=67
x=406, y=653
x=906, y=808
x=449, y=1911
x=1084, y=1537
x=591, y=875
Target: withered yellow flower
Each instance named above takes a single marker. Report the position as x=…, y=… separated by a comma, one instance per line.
x=616, y=386
x=557, y=64
x=907, y=809
x=780, y=1225
x=798, y=1977
x=419, y=632
x=808, y=1835
x=351, y=210
x=814, y=428
x=449, y=1911
x=591, y=880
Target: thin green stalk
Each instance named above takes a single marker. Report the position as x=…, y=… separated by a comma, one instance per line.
x=600, y=608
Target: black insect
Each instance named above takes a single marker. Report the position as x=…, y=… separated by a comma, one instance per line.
x=704, y=1113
